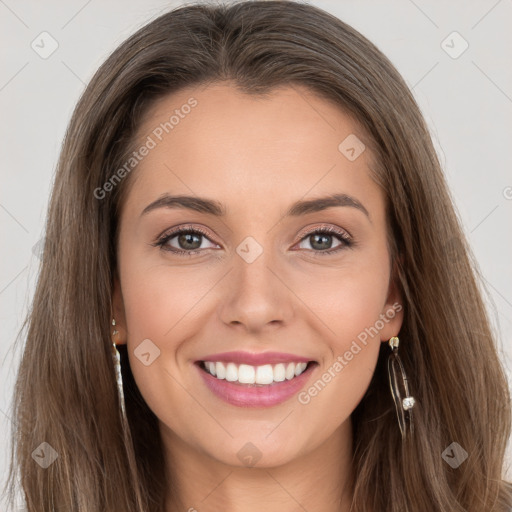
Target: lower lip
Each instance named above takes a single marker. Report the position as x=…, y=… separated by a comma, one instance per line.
x=254, y=395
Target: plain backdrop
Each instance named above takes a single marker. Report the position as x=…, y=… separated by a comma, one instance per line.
x=455, y=57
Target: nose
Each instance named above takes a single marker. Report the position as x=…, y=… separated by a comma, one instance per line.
x=255, y=295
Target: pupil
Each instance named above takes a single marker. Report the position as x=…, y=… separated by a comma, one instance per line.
x=186, y=239
x=321, y=238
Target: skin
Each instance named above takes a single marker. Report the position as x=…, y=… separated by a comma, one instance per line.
x=256, y=156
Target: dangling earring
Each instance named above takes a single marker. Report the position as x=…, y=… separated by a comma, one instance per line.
x=124, y=419
x=403, y=406
x=117, y=366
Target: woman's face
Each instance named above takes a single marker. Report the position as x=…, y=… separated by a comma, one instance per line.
x=260, y=278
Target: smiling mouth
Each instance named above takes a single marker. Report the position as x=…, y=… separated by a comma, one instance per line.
x=262, y=375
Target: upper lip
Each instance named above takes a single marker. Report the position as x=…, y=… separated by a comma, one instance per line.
x=255, y=359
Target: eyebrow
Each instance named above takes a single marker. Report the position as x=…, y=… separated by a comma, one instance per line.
x=212, y=207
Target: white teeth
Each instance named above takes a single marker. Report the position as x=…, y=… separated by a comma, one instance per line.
x=220, y=370
x=279, y=372
x=247, y=374
x=231, y=372
x=300, y=368
x=264, y=374
x=211, y=368
x=290, y=371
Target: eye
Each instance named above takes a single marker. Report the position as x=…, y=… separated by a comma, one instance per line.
x=188, y=240
x=320, y=239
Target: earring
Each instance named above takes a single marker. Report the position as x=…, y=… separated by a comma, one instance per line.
x=403, y=406
x=114, y=324
x=117, y=366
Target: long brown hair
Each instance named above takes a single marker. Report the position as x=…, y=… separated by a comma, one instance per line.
x=66, y=392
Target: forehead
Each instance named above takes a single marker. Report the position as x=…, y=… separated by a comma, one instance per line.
x=217, y=141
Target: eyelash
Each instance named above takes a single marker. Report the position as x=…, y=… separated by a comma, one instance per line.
x=347, y=242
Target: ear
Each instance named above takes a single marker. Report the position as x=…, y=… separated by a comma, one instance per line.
x=393, y=311
x=118, y=313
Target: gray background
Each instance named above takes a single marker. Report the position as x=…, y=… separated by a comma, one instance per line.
x=466, y=100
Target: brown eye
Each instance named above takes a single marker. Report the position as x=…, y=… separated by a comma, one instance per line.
x=188, y=240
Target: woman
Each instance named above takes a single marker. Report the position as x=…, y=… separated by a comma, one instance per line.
x=248, y=208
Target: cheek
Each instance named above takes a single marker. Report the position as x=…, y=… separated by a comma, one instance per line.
x=347, y=306
x=349, y=310
x=156, y=301
x=348, y=300
x=161, y=303
x=341, y=301
x=160, y=298
x=339, y=304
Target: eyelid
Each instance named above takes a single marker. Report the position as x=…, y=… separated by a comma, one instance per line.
x=324, y=227
x=184, y=227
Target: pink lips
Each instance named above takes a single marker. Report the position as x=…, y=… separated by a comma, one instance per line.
x=249, y=358
x=255, y=395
